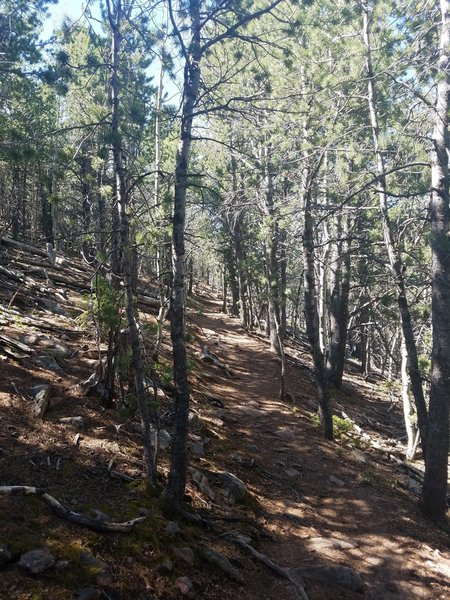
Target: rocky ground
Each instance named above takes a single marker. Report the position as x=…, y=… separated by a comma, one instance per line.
x=272, y=510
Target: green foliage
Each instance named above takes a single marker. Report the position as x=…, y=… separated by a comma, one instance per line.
x=164, y=372
x=341, y=426
x=103, y=307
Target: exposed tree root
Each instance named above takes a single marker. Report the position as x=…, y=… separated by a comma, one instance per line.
x=65, y=513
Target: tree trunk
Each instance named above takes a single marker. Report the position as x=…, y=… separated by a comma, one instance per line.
x=339, y=287
x=395, y=261
x=115, y=17
x=313, y=322
x=434, y=492
x=178, y=463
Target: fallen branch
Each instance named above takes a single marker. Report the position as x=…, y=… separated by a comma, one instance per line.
x=62, y=511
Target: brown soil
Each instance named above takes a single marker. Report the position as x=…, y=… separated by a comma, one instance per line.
x=397, y=553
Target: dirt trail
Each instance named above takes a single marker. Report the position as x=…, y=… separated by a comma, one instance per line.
x=320, y=504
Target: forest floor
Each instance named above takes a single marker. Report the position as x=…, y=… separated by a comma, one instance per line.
x=351, y=503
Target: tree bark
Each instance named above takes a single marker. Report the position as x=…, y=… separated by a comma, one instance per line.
x=178, y=462
x=115, y=18
x=434, y=492
x=395, y=261
x=339, y=287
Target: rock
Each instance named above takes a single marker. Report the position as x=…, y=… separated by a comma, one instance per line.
x=319, y=543
x=47, y=362
x=186, y=587
x=414, y=486
x=185, y=554
x=197, y=448
x=252, y=447
x=194, y=420
x=165, y=439
x=202, y=482
x=103, y=575
x=30, y=339
x=104, y=578
x=358, y=455
x=41, y=401
x=334, y=575
x=249, y=411
x=54, y=347
x=237, y=490
x=223, y=563
x=53, y=306
x=144, y=512
x=172, y=528
x=336, y=481
x=292, y=472
x=241, y=459
x=5, y=555
x=61, y=565
x=90, y=593
x=37, y=561
x=76, y=423
x=166, y=567
x=285, y=434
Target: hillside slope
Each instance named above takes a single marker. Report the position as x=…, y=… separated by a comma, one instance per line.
x=299, y=501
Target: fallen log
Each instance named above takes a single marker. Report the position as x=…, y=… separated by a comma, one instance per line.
x=7, y=241
x=65, y=513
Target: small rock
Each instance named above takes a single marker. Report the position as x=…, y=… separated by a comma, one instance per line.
x=414, y=486
x=76, y=423
x=144, y=512
x=61, y=565
x=292, y=472
x=165, y=439
x=41, y=401
x=285, y=435
x=37, y=561
x=223, y=563
x=202, y=482
x=47, y=362
x=336, y=481
x=319, y=543
x=55, y=348
x=186, y=587
x=5, y=555
x=252, y=447
x=334, y=575
x=197, y=449
x=241, y=459
x=185, y=554
x=104, y=578
x=30, y=339
x=194, y=420
x=172, y=528
x=88, y=559
x=90, y=593
x=236, y=488
x=166, y=567
x=249, y=411
x=358, y=455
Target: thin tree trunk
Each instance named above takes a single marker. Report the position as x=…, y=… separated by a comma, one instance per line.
x=395, y=260
x=339, y=287
x=408, y=412
x=115, y=17
x=434, y=492
x=178, y=463
x=312, y=321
